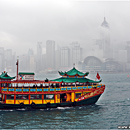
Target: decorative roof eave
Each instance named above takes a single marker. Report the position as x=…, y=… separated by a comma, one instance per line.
x=73, y=80
x=7, y=77
x=76, y=73
x=4, y=75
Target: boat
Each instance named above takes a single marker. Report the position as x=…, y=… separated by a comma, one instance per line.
x=71, y=89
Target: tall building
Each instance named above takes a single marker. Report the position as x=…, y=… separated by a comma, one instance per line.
x=105, y=38
x=8, y=57
x=128, y=51
x=1, y=58
x=31, y=60
x=50, y=54
x=65, y=56
x=76, y=53
x=39, y=57
x=23, y=60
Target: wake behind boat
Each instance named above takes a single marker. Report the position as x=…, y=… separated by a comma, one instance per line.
x=71, y=89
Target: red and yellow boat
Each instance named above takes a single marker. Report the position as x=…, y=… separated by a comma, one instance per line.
x=71, y=89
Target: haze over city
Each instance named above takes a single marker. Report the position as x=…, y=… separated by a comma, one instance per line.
x=25, y=23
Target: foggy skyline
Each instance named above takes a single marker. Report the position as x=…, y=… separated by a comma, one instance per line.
x=26, y=22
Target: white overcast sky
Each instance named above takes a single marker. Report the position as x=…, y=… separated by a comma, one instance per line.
x=23, y=23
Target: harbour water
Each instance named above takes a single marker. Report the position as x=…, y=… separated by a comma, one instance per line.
x=111, y=110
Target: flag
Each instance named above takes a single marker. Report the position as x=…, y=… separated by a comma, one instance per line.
x=98, y=76
x=17, y=62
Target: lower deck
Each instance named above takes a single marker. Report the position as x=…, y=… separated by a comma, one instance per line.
x=42, y=98
x=28, y=98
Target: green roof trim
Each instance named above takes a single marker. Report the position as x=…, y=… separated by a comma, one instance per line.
x=26, y=73
x=73, y=72
x=4, y=75
x=73, y=80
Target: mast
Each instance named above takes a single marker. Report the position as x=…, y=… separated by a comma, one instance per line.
x=17, y=69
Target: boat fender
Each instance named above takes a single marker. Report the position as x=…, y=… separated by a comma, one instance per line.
x=74, y=103
x=21, y=104
x=48, y=105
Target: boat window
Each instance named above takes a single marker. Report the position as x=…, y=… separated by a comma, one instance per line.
x=36, y=96
x=77, y=95
x=21, y=96
x=9, y=96
x=85, y=93
x=9, y=85
x=48, y=96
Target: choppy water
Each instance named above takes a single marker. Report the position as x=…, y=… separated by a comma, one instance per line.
x=111, y=110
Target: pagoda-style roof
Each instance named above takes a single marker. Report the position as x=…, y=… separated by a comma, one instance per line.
x=74, y=80
x=73, y=76
x=73, y=72
x=4, y=75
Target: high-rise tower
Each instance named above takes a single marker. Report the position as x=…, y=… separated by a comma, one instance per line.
x=39, y=57
x=50, y=54
x=105, y=39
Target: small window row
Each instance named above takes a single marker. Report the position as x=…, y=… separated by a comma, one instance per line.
x=36, y=96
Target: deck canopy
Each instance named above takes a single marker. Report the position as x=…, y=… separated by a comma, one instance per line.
x=73, y=80
x=4, y=75
x=73, y=72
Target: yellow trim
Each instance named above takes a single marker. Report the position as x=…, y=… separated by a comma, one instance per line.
x=72, y=96
x=22, y=101
x=36, y=101
x=57, y=98
x=9, y=101
x=49, y=101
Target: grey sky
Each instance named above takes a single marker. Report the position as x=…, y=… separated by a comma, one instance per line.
x=23, y=23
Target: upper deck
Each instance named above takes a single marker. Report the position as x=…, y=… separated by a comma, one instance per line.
x=41, y=87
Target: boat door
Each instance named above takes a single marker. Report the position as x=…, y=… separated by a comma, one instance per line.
x=65, y=97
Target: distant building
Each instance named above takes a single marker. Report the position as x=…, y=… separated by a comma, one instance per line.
x=23, y=60
x=39, y=57
x=65, y=56
x=76, y=53
x=50, y=54
x=31, y=60
x=1, y=59
x=8, y=57
x=128, y=51
x=105, y=39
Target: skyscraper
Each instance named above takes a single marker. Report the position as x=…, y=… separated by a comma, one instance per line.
x=76, y=53
x=105, y=38
x=39, y=57
x=8, y=59
x=2, y=58
x=31, y=60
x=50, y=54
x=65, y=56
x=128, y=51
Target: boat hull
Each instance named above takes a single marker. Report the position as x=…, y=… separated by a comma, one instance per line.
x=89, y=101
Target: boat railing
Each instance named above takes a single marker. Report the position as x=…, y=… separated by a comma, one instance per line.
x=65, y=88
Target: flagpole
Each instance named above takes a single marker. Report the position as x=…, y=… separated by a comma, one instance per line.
x=17, y=68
